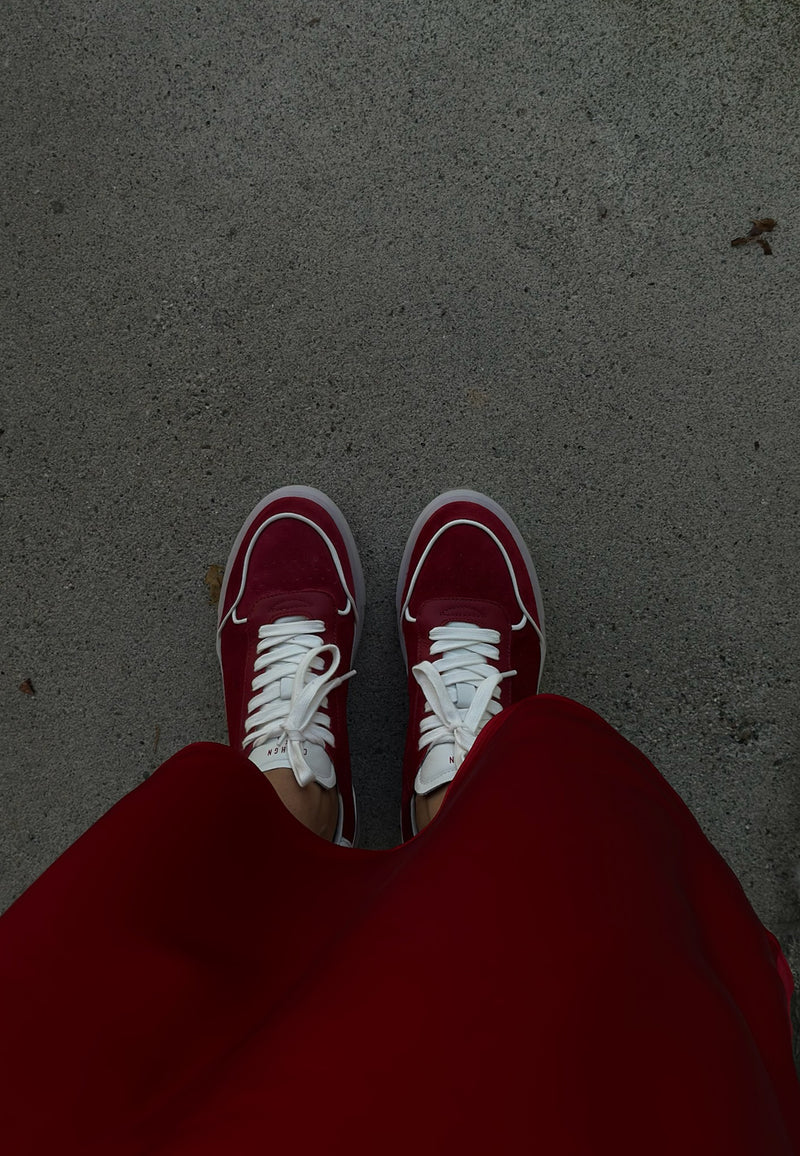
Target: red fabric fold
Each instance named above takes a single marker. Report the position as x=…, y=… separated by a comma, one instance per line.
x=561, y=962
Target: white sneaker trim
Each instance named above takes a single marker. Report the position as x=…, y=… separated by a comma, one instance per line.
x=527, y=616
x=351, y=600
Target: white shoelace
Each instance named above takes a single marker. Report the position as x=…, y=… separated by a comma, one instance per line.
x=461, y=675
x=288, y=697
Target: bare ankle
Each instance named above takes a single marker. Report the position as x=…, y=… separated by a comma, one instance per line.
x=312, y=805
x=428, y=806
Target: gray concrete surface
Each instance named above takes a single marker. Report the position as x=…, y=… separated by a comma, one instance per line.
x=387, y=249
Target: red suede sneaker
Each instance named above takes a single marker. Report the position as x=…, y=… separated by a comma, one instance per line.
x=471, y=625
x=292, y=605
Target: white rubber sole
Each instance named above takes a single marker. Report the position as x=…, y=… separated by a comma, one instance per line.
x=488, y=504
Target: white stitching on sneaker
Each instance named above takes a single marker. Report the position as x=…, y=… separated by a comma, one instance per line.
x=526, y=614
x=289, y=697
x=464, y=648
x=351, y=602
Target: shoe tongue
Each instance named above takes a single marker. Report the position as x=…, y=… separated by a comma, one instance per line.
x=275, y=753
x=438, y=767
x=464, y=694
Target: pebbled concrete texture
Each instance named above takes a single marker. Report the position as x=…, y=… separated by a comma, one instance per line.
x=387, y=250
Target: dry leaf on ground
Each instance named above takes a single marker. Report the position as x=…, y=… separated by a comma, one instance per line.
x=213, y=581
x=763, y=225
x=27, y=687
x=477, y=398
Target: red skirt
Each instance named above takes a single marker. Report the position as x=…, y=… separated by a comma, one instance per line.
x=560, y=963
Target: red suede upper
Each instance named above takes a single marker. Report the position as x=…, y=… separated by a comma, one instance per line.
x=290, y=571
x=559, y=963
x=465, y=578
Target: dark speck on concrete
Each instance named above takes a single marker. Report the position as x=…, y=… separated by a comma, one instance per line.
x=746, y=733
